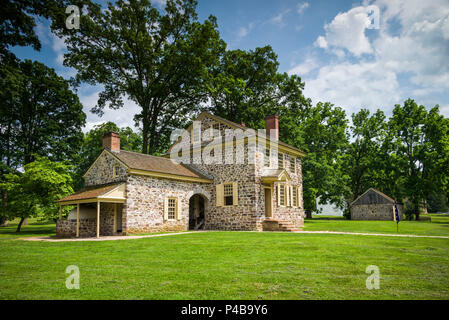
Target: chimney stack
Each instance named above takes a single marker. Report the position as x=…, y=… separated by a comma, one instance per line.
x=272, y=126
x=111, y=141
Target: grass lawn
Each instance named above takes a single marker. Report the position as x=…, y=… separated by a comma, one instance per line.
x=34, y=228
x=438, y=227
x=228, y=265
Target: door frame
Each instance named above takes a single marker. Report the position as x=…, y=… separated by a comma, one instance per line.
x=270, y=189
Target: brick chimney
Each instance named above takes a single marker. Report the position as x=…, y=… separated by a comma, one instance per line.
x=111, y=141
x=272, y=125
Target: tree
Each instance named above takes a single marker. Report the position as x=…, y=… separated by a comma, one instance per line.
x=362, y=159
x=246, y=87
x=157, y=60
x=17, y=22
x=322, y=134
x=420, y=143
x=92, y=146
x=36, y=190
x=40, y=115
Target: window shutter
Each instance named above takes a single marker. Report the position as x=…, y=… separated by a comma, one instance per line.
x=235, y=194
x=279, y=194
x=179, y=209
x=219, y=195
x=165, y=208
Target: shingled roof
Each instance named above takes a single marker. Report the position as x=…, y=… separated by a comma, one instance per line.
x=140, y=161
x=90, y=192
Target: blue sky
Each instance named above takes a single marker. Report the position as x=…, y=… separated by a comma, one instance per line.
x=332, y=45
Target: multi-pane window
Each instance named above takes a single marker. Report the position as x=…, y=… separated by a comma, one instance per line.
x=215, y=130
x=293, y=164
x=228, y=194
x=172, y=204
x=282, y=195
x=115, y=171
x=196, y=133
x=295, y=196
x=280, y=160
x=267, y=157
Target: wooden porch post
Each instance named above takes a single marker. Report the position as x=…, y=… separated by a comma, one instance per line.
x=98, y=219
x=60, y=212
x=77, y=220
x=115, y=219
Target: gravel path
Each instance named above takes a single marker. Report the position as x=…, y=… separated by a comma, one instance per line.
x=110, y=238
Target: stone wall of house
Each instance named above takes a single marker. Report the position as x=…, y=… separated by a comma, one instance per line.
x=101, y=172
x=144, y=209
x=250, y=211
x=373, y=212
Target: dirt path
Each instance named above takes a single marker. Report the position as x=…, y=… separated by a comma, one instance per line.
x=110, y=238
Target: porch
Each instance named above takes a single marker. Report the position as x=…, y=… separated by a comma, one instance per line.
x=97, y=212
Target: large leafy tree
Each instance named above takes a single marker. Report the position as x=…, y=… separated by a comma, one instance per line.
x=36, y=190
x=92, y=145
x=322, y=134
x=420, y=144
x=246, y=86
x=363, y=160
x=40, y=115
x=156, y=59
x=17, y=22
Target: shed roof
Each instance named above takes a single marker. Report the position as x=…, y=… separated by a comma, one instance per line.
x=373, y=196
x=95, y=192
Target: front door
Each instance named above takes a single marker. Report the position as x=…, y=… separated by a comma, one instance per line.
x=268, y=202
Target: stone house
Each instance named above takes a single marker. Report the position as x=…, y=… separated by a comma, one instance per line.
x=254, y=183
x=374, y=205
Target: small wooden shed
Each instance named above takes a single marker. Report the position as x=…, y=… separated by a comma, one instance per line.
x=374, y=205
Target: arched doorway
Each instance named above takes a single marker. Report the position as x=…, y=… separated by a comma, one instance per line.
x=197, y=217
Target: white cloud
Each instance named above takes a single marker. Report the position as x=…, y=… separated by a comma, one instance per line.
x=122, y=117
x=304, y=68
x=301, y=7
x=347, y=31
x=407, y=57
x=279, y=19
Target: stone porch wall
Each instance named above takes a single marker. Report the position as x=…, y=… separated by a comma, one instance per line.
x=88, y=227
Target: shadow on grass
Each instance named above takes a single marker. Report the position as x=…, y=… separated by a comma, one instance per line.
x=35, y=228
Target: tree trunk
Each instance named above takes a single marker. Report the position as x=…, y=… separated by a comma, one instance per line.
x=309, y=214
x=20, y=224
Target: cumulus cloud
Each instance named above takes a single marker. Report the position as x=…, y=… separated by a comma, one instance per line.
x=347, y=31
x=279, y=18
x=407, y=57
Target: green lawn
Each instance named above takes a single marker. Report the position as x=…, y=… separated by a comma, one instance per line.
x=438, y=227
x=35, y=228
x=228, y=265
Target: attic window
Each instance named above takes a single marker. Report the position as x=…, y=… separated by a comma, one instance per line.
x=196, y=133
x=115, y=170
x=215, y=130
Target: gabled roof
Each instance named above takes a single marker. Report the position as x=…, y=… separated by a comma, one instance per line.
x=375, y=192
x=104, y=192
x=271, y=175
x=237, y=126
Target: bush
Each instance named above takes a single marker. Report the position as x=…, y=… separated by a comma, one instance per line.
x=409, y=211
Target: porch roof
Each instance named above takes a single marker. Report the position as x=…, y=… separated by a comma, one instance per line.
x=106, y=193
x=272, y=175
